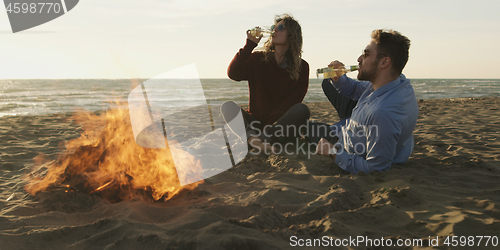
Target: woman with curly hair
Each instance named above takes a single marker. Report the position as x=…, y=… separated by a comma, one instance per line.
x=278, y=79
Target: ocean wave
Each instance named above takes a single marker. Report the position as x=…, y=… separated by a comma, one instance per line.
x=33, y=97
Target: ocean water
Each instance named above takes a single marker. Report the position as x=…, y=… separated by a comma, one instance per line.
x=36, y=97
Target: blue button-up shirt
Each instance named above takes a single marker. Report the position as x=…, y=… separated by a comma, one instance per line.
x=380, y=130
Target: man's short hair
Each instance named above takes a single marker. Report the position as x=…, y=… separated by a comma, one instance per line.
x=394, y=45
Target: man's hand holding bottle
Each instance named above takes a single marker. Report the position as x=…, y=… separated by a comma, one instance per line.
x=337, y=65
x=335, y=70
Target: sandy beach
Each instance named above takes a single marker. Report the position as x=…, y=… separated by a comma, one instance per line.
x=449, y=187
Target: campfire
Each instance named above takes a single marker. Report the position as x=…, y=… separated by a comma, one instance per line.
x=106, y=161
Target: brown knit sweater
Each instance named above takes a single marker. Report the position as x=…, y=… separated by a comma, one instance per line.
x=272, y=91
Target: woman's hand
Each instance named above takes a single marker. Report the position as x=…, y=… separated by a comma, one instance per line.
x=255, y=39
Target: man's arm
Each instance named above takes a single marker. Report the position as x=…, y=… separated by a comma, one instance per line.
x=350, y=87
x=382, y=136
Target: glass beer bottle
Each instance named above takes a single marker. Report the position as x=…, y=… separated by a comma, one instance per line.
x=330, y=72
x=257, y=31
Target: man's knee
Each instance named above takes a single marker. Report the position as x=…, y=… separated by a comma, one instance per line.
x=330, y=91
x=326, y=85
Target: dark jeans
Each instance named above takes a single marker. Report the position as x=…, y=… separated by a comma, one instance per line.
x=344, y=106
x=318, y=130
x=285, y=129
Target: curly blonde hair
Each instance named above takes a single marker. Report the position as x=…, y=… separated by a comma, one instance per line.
x=293, y=55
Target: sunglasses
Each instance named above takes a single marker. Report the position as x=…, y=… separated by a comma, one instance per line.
x=278, y=28
x=365, y=53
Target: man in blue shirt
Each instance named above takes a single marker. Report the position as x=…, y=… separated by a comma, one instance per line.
x=380, y=129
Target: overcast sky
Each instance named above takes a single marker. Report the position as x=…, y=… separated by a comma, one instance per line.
x=132, y=38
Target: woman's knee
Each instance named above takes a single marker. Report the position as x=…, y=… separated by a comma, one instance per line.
x=301, y=109
x=229, y=110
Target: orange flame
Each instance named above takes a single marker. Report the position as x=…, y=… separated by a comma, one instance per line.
x=106, y=160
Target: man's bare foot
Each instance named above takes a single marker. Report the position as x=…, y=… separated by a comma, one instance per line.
x=263, y=147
